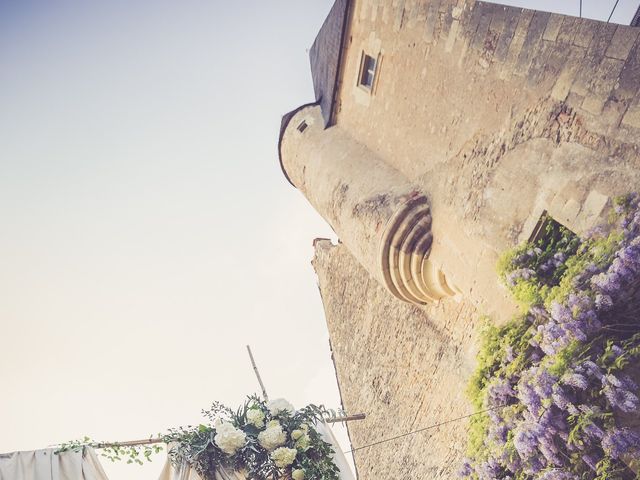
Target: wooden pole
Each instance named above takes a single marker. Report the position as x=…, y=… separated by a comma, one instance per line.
x=255, y=369
x=151, y=441
x=348, y=418
x=128, y=443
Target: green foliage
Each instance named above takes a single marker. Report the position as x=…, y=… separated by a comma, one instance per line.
x=197, y=447
x=495, y=343
x=533, y=366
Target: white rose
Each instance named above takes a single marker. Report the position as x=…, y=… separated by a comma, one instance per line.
x=229, y=438
x=255, y=417
x=283, y=457
x=272, y=437
x=280, y=405
x=297, y=474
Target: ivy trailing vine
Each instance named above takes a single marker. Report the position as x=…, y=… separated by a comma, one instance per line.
x=561, y=380
x=266, y=440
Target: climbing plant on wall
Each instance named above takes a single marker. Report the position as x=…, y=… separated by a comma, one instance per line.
x=561, y=380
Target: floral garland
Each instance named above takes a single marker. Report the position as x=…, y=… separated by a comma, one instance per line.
x=266, y=440
x=561, y=381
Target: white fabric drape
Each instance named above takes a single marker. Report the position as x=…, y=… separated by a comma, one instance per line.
x=47, y=465
x=338, y=457
x=184, y=472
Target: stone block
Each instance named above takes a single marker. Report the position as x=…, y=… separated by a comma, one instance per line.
x=592, y=210
x=481, y=32
x=432, y=18
x=399, y=16
x=568, y=31
x=422, y=9
x=498, y=19
x=593, y=104
x=540, y=68
x=374, y=10
x=411, y=12
x=511, y=18
x=553, y=27
x=474, y=19
x=567, y=75
x=557, y=204
x=445, y=20
x=622, y=42
x=364, y=9
x=569, y=213
x=602, y=38
x=607, y=76
x=629, y=79
x=517, y=43
x=531, y=43
x=585, y=33
x=453, y=33
x=632, y=117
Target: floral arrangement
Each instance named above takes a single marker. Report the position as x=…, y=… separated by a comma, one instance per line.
x=266, y=440
x=559, y=384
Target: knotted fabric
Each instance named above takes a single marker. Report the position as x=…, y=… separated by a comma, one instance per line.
x=47, y=465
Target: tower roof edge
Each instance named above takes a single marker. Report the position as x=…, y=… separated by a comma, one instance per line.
x=326, y=56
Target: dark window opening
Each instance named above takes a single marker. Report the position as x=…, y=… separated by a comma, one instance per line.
x=368, y=72
x=303, y=126
x=551, y=245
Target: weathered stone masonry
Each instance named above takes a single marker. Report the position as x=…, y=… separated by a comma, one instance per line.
x=484, y=117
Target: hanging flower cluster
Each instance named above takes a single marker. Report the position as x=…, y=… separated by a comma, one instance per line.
x=267, y=440
x=561, y=382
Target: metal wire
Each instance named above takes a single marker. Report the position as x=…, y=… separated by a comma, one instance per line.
x=613, y=10
x=422, y=429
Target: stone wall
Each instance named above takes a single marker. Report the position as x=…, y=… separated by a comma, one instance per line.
x=404, y=366
x=497, y=114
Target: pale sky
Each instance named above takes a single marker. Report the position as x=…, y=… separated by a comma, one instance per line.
x=147, y=232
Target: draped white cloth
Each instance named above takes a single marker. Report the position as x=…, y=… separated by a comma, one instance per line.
x=338, y=457
x=47, y=465
x=184, y=472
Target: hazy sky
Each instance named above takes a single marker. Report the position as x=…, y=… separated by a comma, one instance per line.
x=147, y=232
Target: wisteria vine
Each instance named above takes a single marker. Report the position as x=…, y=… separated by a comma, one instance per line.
x=562, y=379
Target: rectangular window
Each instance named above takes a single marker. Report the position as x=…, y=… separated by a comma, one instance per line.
x=367, y=71
x=548, y=231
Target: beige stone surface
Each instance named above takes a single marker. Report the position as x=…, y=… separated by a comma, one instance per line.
x=403, y=366
x=495, y=114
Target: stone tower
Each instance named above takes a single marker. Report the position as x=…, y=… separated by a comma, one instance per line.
x=440, y=134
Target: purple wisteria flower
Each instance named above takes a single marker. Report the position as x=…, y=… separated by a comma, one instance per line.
x=575, y=380
x=556, y=474
x=520, y=274
x=550, y=394
x=618, y=392
x=619, y=441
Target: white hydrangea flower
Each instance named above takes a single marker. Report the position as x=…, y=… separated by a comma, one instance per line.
x=297, y=474
x=283, y=457
x=255, y=417
x=280, y=405
x=229, y=438
x=273, y=436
